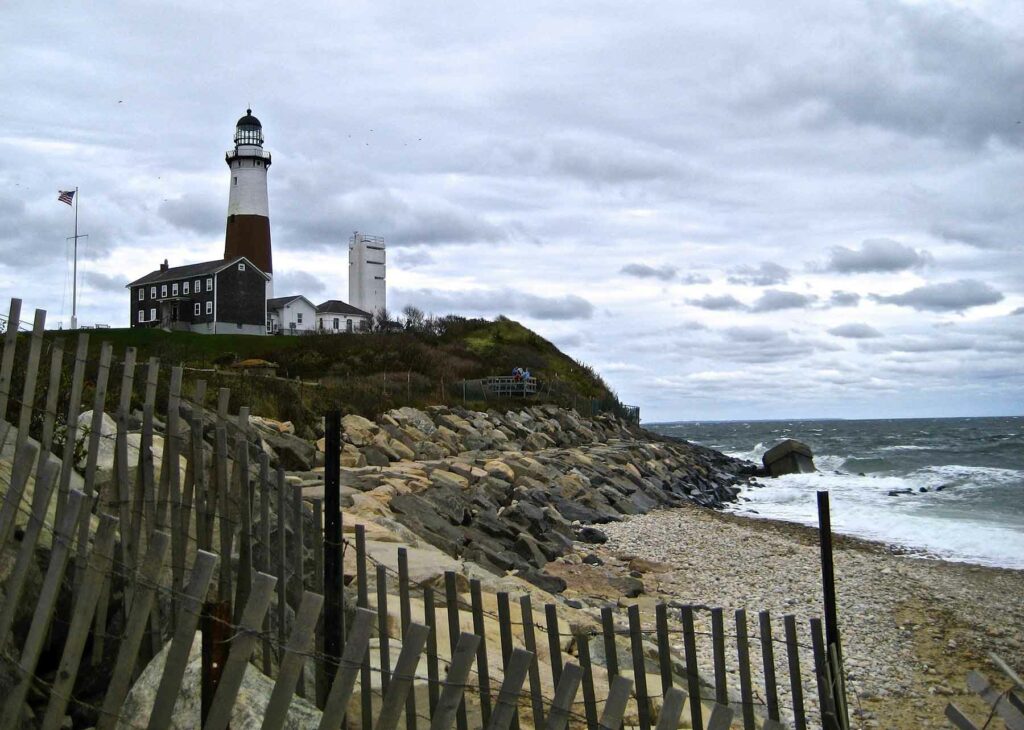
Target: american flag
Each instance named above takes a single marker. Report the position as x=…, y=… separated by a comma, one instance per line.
x=66, y=196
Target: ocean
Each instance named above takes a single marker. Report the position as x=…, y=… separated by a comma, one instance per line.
x=966, y=477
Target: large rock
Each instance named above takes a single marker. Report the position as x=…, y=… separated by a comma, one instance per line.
x=249, y=707
x=293, y=453
x=788, y=457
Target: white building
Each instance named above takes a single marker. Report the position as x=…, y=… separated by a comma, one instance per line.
x=366, y=273
x=336, y=317
x=290, y=315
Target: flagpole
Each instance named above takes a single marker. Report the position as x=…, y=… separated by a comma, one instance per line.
x=74, y=275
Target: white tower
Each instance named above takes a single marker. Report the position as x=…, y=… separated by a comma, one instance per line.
x=248, y=227
x=366, y=273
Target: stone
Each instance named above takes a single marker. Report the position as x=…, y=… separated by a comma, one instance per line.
x=528, y=548
x=445, y=478
x=591, y=535
x=500, y=470
x=249, y=707
x=293, y=453
x=358, y=430
x=788, y=457
x=429, y=451
x=375, y=456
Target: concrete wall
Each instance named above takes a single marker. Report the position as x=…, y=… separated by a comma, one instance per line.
x=248, y=183
x=367, y=273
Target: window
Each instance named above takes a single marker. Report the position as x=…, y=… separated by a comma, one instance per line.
x=152, y=315
x=184, y=288
x=163, y=290
x=198, y=309
x=241, y=267
x=298, y=317
x=236, y=180
x=174, y=289
x=199, y=286
x=348, y=325
x=209, y=283
x=152, y=292
x=335, y=323
x=209, y=307
x=142, y=315
x=142, y=293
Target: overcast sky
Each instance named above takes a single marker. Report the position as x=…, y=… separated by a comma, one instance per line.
x=731, y=210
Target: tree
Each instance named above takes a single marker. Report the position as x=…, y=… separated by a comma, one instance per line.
x=414, y=318
x=381, y=321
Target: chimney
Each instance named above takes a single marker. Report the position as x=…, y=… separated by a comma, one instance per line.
x=163, y=266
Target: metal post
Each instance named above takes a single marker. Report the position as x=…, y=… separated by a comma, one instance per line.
x=334, y=616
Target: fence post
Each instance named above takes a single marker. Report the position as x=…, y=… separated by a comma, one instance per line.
x=530, y=642
x=333, y=613
x=344, y=679
x=454, y=639
x=482, y=669
x=517, y=664
x=692, y=678
x=299, y=644
x=7, y=363
x=795, y=680
x=71, y=423
x=743, y=659
x=828, y=586
x=28, y=393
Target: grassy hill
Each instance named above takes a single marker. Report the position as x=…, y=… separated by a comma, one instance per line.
x=359, y=373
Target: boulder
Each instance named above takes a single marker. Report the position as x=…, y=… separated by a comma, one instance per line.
x=358, y=430
x=788, y=457
x=249, y=707
x=293, y=453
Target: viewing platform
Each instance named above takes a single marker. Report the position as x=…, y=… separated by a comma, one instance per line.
x=509, y=385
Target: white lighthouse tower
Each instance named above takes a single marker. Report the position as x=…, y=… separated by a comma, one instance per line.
x=248, y=226
x=367, y=267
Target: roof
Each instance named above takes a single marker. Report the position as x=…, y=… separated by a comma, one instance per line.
x=336, y=306
x=189, y=270
x=278, y=302
x=249, y=120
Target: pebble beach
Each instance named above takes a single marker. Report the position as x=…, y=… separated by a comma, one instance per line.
x=911, y=628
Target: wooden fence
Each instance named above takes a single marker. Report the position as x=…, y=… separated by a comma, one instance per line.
x=214, y=540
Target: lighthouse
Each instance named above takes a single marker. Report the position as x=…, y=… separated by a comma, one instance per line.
x=248, y=227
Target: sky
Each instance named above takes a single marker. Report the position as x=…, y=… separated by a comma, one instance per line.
x=732, y=210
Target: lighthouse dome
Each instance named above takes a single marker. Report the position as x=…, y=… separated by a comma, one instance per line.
x=248, y=130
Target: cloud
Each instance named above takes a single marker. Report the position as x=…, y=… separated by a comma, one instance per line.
x=643, y=271
x=774, y=300
x=844, y=299
x=718, y=303
x=1017, y=311
x=287, y=283
x=498, y=301
x=953, y=296
x=767, y=273
x=413, y=257
x=202, y=214
x=104, y=282
x=694, y=279
x=855, y=330
x=875, y=255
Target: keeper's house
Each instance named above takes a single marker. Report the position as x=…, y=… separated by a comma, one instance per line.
x=215, y=297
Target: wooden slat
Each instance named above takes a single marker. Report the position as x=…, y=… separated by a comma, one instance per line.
x=266, y=549
x=143, y=483
x=505, y=632
x=349, y=663
x=768, y=658
x=743, y=659
x=95, y=426
x=223, y=507
x=721, y=717
x=45, y=603
x=611, y=652
x=7, y=362
x=433, y=675
x=554, y=642
x=25, y=559
x=795, y=679
x=28, y=391
x=242, y=646
x=406, y=615
x=530, y=642
x=672, y=709
x=413, y=641
x=281, y=563
x=318, y=581
x=825, y=701
x=1007, y=670
x=664, y=649
x=122, y=467
x=382, y=628
x=615, y=705
x=718, y=651
x=506, y=705
x=482, y=668
x=170, y=486
x=455, y=682
x=24, y=462
x=958, y=718
x=692, y=675
x=979, y=684
x=639, y=668
x=189, y=607
x=839, y=684
x=452, y=605
x=300, y=642
x=71, y=423
x=589, y=695
x=243, y=584
x=565, y=694
x=770, y=724
x=202, y=496
x=52, y=396
x=363, y=601
x=299, y=563
x=120, y=679
x=100, y=561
